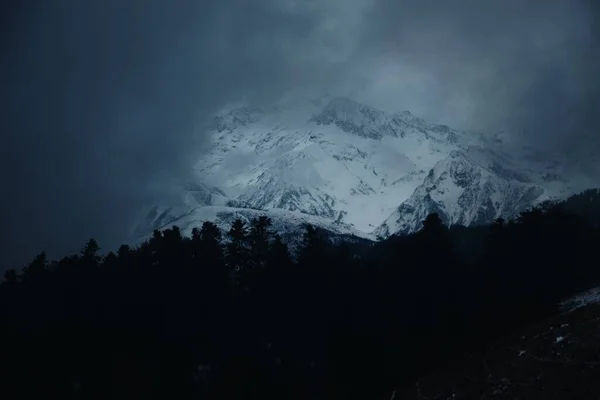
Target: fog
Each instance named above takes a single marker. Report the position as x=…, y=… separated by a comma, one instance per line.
x=103, y=101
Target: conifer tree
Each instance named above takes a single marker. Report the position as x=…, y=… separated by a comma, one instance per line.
x=89, y=253
x=237, y=252
x=259, y=237
x=37, y=270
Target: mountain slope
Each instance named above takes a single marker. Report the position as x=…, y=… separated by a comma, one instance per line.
x=339, y=163
x=553, y=359
x=300, y=159
x=463, y=191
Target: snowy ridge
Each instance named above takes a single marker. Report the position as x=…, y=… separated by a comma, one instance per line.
x=352, y=169
x=463, y=189
x=583, y=299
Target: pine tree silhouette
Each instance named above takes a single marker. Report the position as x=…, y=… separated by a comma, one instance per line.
x=259, y=237
x=37, y=270
x=89, y=253
x=164, y=319
x=237, y=252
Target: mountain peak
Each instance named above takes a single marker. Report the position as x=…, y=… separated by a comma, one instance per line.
x=464, y=188
x=236, y=117
x=408, y=117
x=334, y=160
x=356, y=118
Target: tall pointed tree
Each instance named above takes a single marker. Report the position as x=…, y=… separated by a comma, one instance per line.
x=89, y=253
x=36, y=270
x=259, y=236
x=207, y=241
x=312, y=248
x=208, y=259
x=237, y=255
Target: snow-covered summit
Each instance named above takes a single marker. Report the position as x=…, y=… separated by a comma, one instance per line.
x=352, y=168
x=464, y=190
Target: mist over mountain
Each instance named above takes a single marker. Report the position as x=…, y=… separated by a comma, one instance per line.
x=107, y=106
x=352, y=169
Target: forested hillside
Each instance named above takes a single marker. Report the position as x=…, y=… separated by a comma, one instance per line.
x=240, y=318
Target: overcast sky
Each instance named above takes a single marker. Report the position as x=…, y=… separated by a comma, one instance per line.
x=101, y=98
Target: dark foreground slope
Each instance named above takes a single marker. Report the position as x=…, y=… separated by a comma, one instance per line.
x=558, y=358
x=182, y=318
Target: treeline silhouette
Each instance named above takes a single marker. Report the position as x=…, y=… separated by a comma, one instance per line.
x=239, y=317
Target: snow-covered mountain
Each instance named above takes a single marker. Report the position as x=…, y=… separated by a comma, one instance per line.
x=352, y=169
x=464, y=190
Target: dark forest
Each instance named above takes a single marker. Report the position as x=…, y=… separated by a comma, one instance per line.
x=236, y=315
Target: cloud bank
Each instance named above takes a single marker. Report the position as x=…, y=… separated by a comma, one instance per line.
x=102, y=101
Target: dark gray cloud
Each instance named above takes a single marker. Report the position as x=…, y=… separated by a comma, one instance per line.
x=528, y=66
x=102, y=99
x=99, y=98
